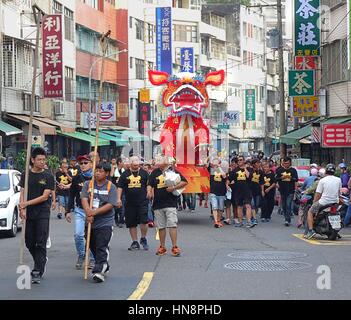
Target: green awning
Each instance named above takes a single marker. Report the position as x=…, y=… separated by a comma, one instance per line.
x=128, y=134
x=293, y=137
x=85, y=137
x=8, y=129
x=114, y=138
x=336, y=120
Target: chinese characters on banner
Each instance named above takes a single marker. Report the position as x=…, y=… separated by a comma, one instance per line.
x=108, y=111
x=232, y=117
x=305, y=63
x=250, y=102
x=122, y=110
x=307, y=29
x=301, y=83
x=187, y=59
x=337, y=135
x=164, y=39
x=52, y=56
x=144, y=114
x=305, y=107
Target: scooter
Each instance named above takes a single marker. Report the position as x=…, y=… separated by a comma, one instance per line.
x=328, y=221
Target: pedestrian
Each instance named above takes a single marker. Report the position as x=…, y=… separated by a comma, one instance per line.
x=165, y=204
x=242, y=196
x=36, y=211
x=344, y=176
x=233, y=165
x=74, y=168
x=218, y=190
x=133, y=182
x=75, y=205
x=268, y=192
x=101, y=216
x=256, y=182
x=150, y=212
x=116, y=171
x=287, y=179
x=62, y=188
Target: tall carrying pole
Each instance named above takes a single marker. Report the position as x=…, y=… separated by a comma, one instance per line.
x=103, y=44
x=38, y=15
x=281, y=79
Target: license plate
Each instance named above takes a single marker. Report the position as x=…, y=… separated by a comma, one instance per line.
x=335, y=222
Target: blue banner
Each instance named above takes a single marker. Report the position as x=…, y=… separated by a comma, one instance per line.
x=187, y=59
x=164, y=39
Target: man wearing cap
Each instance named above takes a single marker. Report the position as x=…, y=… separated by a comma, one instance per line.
x=344, y=176
x=75, y=205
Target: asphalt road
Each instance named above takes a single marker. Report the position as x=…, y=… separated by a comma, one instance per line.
x=199, y=273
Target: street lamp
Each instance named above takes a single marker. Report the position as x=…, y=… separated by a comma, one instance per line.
x=90, y=75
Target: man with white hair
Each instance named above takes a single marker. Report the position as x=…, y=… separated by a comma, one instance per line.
x=133, y=182
x=165, y=204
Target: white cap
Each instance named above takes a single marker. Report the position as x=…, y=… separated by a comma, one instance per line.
x=314, y=165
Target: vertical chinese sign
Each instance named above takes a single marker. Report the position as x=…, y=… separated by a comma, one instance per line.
x=307, y=29
x=144, y=114
x=187, y=60
x=164, y=39
x=52, y=56
x=250, y=103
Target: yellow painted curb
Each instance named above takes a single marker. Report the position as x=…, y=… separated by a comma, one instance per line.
x=142, y=286
x=325, y=242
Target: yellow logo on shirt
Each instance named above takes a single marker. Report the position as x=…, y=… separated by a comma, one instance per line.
x=267, y=182
x=241, y=176
x=286, y=176
x=64, y=180
x=134, y=182
x=161, y=182
x=42, y=181
x=74, y=172
x=218, y=177
x=255, y=177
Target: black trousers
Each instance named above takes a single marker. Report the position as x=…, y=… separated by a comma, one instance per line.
x=268, y=205
x=99, y=246
x=37, y=232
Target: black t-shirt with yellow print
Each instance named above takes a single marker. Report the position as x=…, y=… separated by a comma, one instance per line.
x=162, y=198
x=268, y=180
x=217, y=183
x=256, y=181
x=286, y=179
x=134, y=184
x=241, y=180
x=63, y=179
x=37, y=184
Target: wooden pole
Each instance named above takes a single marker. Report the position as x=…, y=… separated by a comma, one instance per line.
x=103, y=44
x=38, y=16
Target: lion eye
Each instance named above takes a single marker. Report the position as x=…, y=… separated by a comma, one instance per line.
x=175, y=82
x=197, y=83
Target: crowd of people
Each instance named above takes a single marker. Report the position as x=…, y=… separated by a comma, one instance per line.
x=141, y=195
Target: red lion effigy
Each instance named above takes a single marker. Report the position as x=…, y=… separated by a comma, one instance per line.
x=184, y=132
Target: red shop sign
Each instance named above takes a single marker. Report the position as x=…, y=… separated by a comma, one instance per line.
x=337, y=135
x=52, y=56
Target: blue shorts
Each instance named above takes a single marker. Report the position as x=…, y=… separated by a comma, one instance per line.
x=217, y=202
x=255, y=202
x=63, y=201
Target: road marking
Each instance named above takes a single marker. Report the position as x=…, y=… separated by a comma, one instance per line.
x=345, y=240
x=142, y=286
x=157, y=235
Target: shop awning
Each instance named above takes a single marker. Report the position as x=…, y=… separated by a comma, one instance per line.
x=85, y=137
x=8, y=129
x=114, y=138
x=293, y=137
x=44, y=128
x=58, y=125
x=128, y=134
x=336, y=120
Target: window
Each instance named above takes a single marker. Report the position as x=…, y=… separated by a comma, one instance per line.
x=218, y=21
x=92, y=3
x=218, y=49
x=27, y=102
x=56, y=7
x=139, y=29
x=69, y=76
x=150, y=65
x=205, y=46
x=150, y=33
x=110, y=91
x=140, y=69
x=130, y=22
x=185, y=33
x=69, y=25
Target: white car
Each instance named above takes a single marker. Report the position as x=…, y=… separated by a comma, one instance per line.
x=10, y=220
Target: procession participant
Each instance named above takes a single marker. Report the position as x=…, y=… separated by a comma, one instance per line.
x=36, y=211
x=268, y=192
x=133, y=182
x=101, y=216
x=62, y=188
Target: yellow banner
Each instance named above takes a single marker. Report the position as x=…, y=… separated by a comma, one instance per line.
x=306, y=107
x=144, y=95
x=122, y=110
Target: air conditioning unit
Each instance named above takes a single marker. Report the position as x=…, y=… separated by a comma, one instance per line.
x=59, y=108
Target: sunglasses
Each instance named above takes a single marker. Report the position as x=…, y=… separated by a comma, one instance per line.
x=85, y=162
x=241, y=160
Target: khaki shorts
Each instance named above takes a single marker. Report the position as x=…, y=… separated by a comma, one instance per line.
x=166, y=218
x=315, y=208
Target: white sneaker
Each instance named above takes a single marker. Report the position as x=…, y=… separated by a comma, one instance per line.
x=48, y=243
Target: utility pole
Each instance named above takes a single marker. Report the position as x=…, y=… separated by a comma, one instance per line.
x=281, y=79
x=1, y=59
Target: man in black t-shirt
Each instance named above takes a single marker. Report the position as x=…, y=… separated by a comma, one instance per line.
x=36, y=211
x=165, y=204
x=287, y=179
x=242, y=197
x=62, y=188
x=268, y=192
x=256, y=182
x=133, y=183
